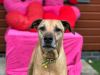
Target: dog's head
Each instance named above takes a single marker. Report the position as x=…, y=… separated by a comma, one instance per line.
x=50, y=35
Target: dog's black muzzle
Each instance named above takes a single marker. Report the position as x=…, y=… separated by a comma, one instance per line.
x=49, y=42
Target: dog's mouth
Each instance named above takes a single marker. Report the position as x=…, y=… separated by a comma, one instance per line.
x=50, y=52
x=49, y=47
x=51, y=55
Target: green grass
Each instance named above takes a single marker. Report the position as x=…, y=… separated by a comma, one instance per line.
x=96, y=65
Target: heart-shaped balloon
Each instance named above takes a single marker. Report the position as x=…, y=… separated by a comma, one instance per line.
x=66, y=13
x=18, y=5
x=19, y=21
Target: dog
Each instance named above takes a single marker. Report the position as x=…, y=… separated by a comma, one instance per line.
x=49, y=57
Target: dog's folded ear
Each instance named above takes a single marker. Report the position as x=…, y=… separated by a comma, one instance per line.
x=36, y=23
x=67, y=26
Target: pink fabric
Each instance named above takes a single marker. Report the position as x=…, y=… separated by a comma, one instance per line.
x=18, y=5
x=20, y=44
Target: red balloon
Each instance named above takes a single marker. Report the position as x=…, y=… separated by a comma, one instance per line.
x=19, y=21
x=67, y=14
x=1, y=1
x=73, y=1
x=35, y=11
x=18, y=5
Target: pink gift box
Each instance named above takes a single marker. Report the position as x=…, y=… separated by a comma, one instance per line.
x=20, y=44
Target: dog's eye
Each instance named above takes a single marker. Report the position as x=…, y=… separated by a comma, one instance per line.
x=42, y=28
x=57, y=30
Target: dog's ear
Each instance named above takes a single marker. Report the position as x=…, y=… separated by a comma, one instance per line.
x=36, y=23
x=67, y=26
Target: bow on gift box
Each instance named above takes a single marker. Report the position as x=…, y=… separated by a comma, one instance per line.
x=35, y=11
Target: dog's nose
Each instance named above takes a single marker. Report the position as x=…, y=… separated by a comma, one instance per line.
x=48, y=39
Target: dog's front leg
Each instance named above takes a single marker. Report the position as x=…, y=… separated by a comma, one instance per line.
x=30, y=71
x=31, y=66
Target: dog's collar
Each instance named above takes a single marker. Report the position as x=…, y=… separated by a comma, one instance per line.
x=46, y=62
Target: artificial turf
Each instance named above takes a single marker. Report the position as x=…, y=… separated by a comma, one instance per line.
x=96, y=65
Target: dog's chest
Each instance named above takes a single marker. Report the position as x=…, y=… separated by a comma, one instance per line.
x=48, y=72
x=53, y=69
x=57, y=68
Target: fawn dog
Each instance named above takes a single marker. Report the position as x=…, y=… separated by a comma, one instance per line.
x=48, y=57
